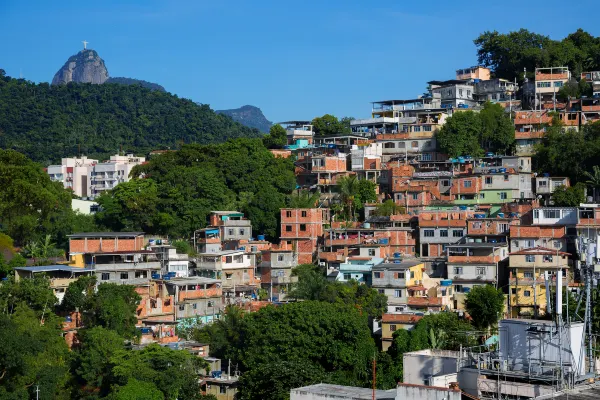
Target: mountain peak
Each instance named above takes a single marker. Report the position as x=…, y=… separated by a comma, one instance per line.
x=83, y=67
x=250, y=116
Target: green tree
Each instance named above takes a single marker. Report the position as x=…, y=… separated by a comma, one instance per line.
x=113, y=307
x=349, y=194
x=172, y=372
x=136, y=390
x=498, y=130
x=92, y=361
x=273, y=381
x=78, y=293
x=571, y=196
x=388, y=208
x=330, y=125
x=277, y=137
x=460, y=135
x=485, y=305
x=593, y=179
x=304, y=199
x=366, y=192
x=31, y=205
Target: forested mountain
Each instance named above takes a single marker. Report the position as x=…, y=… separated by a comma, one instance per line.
x=49, y=122
x=132, y=81
x=250, y=116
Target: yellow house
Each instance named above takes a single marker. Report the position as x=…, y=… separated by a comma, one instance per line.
x=527, y=289
x=390, y=323
x=400, y=281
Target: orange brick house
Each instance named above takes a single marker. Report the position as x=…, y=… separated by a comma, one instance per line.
x=302, y=230
x=96, y=242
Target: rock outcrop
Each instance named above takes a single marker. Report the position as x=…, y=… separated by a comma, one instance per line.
x=84, y=67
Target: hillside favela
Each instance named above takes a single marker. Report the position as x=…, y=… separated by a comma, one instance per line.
x=420, y=221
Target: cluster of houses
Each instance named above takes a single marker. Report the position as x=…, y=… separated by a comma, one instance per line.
x=462, y=222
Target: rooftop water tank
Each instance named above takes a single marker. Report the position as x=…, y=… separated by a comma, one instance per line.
x=261, y=238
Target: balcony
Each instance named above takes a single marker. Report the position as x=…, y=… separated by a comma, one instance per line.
x=283, y=280
x=389, y=281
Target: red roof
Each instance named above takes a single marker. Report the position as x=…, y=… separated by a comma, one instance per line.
x=403, y=318
x=425, y=301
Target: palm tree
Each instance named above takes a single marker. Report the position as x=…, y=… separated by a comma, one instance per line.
x=348, y=191
x=593, y=179
x=305, y=199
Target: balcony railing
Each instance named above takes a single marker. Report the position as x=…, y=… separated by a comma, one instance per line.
x=125, y=266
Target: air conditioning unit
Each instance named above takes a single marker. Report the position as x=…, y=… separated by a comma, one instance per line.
x=321, y=263
x=500, y=365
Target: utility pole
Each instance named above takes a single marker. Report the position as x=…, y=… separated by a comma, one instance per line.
x=37, y=392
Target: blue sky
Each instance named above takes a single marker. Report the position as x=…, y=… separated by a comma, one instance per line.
x=293, y=59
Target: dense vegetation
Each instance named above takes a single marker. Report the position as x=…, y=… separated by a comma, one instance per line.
x=508, y=54
x=473, y=133
x=49, y=122
x=34, y=354
x=132, y=81
x=179, y=189
x=32, y=206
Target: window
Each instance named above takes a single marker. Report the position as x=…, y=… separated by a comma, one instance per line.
x=389, y=145
x=280, y=257
x=288, y=214
x=542, y=183
x=399, y=309
x=527, y=293
x=415, y=196
x=412, y=274
x=426, y=157
x=303, y=227
x=458, y=270
x=460, y=92
x=528, y=275
x=558, y=84
x=548, y=258
x=543, y=84
x=141, y=274
x=371, y=252
x=468, y=93
x=377, y=275
x=242, y=231
x=105, y=276
x=494, y=96
x=529, y=258
x=480, y=270
x=458, y=288
x=124, y=275
x=506, y=177
x=513, y=290
x=182, y=307
x=347, y=277
x=393, y=328
x=427, y=128
x=428, y=233
x=223, y=389
x=228, y=276
x=416, y=128
x=551, y=213
x=457, y=233
x=288, y=228
x=415, y=144
x=482, y=195
x=503, y=196
x=195, y=306
x=488, y=180
x=444, y=233
x=399, y=275
x=468, y=184
x=557, y=244
x=230, y=232
x=381, y=291
x=397, y=293
x=502, y=227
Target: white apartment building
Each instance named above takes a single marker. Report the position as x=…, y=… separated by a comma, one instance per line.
x=88, y=178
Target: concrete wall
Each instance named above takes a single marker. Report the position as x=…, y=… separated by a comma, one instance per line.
x=406, y=392
x=419, y=366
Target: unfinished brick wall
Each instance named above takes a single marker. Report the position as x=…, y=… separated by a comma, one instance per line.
x=97, y=245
